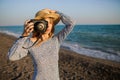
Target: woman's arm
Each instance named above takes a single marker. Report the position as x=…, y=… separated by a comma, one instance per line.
x=17, y=51
x=69, y=24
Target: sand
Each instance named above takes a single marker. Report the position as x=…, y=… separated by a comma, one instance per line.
x=72, y=66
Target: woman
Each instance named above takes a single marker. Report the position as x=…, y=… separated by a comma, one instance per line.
x=44, y=47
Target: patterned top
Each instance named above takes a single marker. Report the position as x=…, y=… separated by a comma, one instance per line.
x=45, y=56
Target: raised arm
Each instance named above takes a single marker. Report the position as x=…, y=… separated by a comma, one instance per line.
x=69, y=24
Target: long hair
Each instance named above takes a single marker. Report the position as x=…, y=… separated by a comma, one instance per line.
x=39, y=35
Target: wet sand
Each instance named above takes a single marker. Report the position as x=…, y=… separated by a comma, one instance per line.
x=72, y=66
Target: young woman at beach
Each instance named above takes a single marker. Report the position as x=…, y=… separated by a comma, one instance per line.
x=43, y=47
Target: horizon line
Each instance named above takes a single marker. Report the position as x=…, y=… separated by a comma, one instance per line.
x=63, y=24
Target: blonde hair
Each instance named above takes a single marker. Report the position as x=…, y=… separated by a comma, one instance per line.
x=39, y=35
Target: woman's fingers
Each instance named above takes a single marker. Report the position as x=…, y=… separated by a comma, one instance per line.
x=29, y=25
x=29, y=28
x=26, y=22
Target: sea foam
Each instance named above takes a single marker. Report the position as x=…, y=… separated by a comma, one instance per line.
x=81, y=50
x=90, y=52
x=10, y=33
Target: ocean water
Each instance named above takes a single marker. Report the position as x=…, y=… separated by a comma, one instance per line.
x=100, y=41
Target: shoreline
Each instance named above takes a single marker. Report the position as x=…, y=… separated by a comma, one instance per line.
x=72, y=65
x=87, y=51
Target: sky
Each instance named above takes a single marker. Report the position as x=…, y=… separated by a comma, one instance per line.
x=15, y=12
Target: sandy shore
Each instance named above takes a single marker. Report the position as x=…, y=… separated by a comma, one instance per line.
x=72, y=66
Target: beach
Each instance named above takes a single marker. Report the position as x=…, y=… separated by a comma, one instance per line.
x=72, y=66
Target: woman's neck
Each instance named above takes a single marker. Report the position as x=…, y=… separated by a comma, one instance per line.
x=45, y=37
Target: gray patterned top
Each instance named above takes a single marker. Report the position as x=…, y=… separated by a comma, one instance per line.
x=45, y=56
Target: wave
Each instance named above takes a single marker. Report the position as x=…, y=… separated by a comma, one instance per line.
x=10, y=33
x=91, y=52
x=81, y=50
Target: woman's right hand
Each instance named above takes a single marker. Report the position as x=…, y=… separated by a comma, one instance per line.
x=28, y=28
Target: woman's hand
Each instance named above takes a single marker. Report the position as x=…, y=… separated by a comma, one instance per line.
x=28, y=28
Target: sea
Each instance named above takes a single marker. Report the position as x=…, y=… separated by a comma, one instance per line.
x=99, y=41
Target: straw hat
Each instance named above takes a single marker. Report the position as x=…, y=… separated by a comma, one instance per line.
x=44, y=13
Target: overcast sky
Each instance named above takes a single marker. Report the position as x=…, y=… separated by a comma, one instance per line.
x=15, y=12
